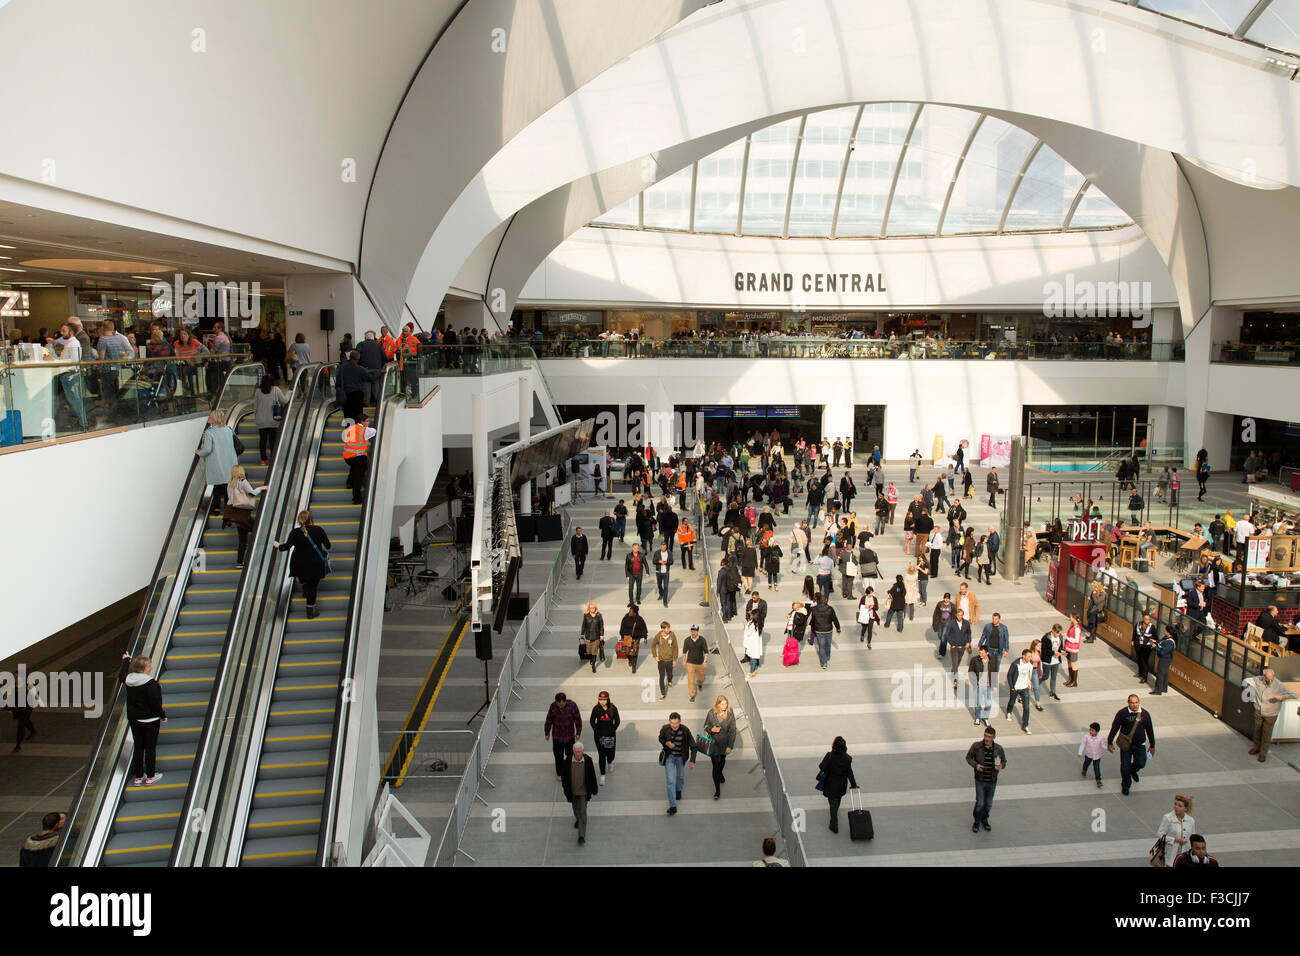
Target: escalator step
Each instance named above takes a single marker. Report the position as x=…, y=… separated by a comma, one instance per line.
x=283, y=821
x=288, y=791
x=147, y=815
x=281, y=851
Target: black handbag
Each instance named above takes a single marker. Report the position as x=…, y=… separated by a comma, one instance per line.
x=704, y=744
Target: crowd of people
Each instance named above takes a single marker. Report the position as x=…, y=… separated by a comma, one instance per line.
x=745, y=494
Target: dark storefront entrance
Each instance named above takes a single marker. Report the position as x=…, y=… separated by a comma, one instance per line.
x=868, y=428
x=731, y=423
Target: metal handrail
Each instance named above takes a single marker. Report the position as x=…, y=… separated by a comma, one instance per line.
x=68, y=852
x=241, y=634
x=333, y=774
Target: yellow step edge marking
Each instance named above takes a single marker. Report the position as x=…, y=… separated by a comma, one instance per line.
x=190, y=657
x=290, y=793
x=163, y=786
x=318, y=640
x=285, y=766
x=147, y=816
x=281, y=823
x=299, y=713
x=185, y=680
x=215, y=591
x=200, y=633
x=140, y=849
x=303, y=620
x=272, y=856
x=306, y=687
x=298, y=737
x=177, y=757
x=311, y=663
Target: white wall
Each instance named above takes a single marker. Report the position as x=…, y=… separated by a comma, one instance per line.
x=603, y=267
x=311, y=293
x=923, y=398
x=92, y=531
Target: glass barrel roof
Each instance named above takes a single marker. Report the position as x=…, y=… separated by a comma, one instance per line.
x=874, y=170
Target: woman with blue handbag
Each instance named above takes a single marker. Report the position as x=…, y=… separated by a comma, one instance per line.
x=309, y=562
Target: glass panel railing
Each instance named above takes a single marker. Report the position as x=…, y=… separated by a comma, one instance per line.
x=241, y=643
x=60, y=400
x=1237, y=354
x=390, y=396
x=788, y=347
x=241, y=712
x=440, y=361
x=86, y=828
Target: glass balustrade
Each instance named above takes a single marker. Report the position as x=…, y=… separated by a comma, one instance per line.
x=788, y=347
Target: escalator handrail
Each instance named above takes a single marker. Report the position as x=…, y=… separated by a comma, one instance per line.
x=241, y=635
x=116, y=712
x=240, y=774
x=366, y=528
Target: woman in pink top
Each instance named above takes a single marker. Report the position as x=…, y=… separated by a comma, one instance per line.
x=891, y=496
x=1073, y=636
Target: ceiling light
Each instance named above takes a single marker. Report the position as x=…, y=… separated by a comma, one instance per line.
x=146, y=278
x=93, y=265
x=10, y=269
x=211, y=275
x=8, y=247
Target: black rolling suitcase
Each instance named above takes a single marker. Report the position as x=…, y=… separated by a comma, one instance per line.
x=860, y=825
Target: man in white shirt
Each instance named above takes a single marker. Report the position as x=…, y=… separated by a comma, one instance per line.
x=70, y=351
x=663, y=560
x=935, y=544
x=1244, y=530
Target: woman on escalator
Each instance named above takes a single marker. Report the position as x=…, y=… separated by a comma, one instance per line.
x=309, y=562
x=241, y=499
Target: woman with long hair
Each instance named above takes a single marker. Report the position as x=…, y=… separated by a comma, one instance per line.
x=1070, y=645
x=241, y=499
x=720, y=726
x=308, y=563
x=633, y=632
x=868, y=615
x=592, y=630
x=604, y=726
x=897, y=601
x=265, y=401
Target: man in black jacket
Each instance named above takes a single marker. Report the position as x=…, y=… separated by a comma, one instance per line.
x=354, y=383
x=821, y=619
x=756, y=611
x=679, y=749
x=848, y=491
x=634, y=567
x=668, y=524
x=371, y=358
x=728, y=585
x=578, y=548
x=662, y=560
x=578, y=777
x=988, y=760
x=1135, y=723
x=607, y=536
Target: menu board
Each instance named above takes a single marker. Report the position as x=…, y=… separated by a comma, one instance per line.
x=1257, y=551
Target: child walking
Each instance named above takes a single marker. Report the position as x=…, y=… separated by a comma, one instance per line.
x=1090, y=748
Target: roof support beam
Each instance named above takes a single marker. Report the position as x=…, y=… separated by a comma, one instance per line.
x=794, y=169
x=902, y=154
x=1015, y=187
x=956, y=171
x=844, y=168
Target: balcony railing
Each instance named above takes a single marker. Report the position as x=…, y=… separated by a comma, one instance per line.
x=789, y=347
x=60, y=400
x=432, y=361
x=1229, y=353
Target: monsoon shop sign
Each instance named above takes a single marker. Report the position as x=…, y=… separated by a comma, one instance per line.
x=809, y=281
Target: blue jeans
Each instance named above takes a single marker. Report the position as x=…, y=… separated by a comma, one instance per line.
x=890, y=613
x=70, y=389
x=1023, y=697
x=823, y=640
x=984, y=798
x=661, y=586
x=1096, y=767
x=956, y=552
x=995, y=659
x=675, y=777
x=634, y=584
x=620, y=527
x=1131, y=761
x=753, y=664
x=1033, y=683
x=911, y=475
x=1051, y=668
x=824, y=584
x=983, y=701
x=921, y=585
x=812, y=515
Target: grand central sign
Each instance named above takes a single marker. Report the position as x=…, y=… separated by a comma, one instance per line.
x=810, y=281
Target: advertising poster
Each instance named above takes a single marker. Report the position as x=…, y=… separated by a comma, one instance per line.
x=995, y=451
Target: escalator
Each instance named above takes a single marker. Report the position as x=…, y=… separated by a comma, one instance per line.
x=290, y=779
x=147, y=817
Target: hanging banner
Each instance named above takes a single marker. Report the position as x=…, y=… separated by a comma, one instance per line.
x=938, y=449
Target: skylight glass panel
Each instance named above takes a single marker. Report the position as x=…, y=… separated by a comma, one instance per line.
x=1278, y=26
x=767, y=182
x=937, y=142
x=668, y=202
x=879, y=141
x=717, y=190
x=817, y=176
x=1222, y=15
x=987, y=176
x=1097, y=211
x=624, y=214
x=1049, y=186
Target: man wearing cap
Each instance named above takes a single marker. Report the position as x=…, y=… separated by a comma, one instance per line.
x=694, y=649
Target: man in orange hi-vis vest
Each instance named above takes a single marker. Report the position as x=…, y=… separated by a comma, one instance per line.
x=681, y=487
x=686, y=538
x=389, y=344
x=356, y=452
x=407, y=346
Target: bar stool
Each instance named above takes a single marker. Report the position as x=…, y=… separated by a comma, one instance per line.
x=1128, y=551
